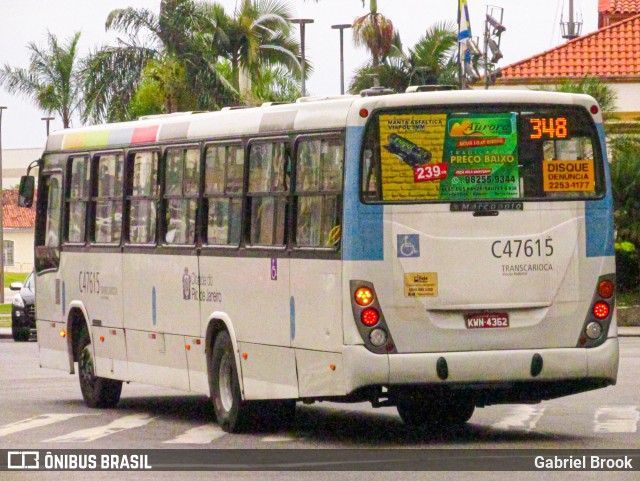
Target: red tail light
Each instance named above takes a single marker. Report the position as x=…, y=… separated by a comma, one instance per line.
x=601, y=310
x=370, y=317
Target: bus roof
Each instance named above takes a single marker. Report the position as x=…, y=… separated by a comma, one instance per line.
x=306, y=114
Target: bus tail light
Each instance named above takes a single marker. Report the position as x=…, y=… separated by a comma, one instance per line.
x=601, y=310
x=378, y=337
x=369, y=318
x=606, y=289
x=364, y=296
x=594, y=330
x=601, y=313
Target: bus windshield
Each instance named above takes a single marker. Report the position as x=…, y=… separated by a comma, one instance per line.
x=467, y=153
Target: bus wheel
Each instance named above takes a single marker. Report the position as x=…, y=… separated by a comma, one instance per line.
x=97, y=392
x=233, y=414
x=433, y=413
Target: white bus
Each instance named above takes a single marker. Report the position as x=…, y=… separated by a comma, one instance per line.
x=434, y=251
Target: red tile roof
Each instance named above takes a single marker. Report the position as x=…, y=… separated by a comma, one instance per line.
x=619, y=6
x=14, y=217
x=608, y=52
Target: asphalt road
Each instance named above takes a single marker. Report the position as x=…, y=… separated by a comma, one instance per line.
x=43, y=409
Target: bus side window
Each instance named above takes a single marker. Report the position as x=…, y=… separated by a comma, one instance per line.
x=318, y=188
x=182, y=174
x=268, y=191
x=108, y=198
x=224, y=172
x=370, y=174
x=143, y=198
x=52, y=225
x=77, y=199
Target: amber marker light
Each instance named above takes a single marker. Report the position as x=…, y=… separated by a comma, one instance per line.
x=601, y=310
x=364, y=296
x=606, y=289
x=63, y=333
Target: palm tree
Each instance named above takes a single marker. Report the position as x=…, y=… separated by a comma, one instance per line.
x=375, y=32
x=593, y=86
x=52, y=80
x=256, y=35
x=432, y=60
x=114, y=73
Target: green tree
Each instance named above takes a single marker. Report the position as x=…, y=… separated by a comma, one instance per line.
x=625, y=180
x=256, y=35
x=604, y=95
x=163, y=89
x=375, y=32
x=52, y=80
x=113, y=74
x=432, y=60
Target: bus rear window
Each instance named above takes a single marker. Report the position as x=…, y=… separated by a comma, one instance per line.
x=464, y=153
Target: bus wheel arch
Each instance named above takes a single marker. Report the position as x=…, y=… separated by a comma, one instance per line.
x=223, y=369
x=97, y=392
x=76, y=323
x=217, y=324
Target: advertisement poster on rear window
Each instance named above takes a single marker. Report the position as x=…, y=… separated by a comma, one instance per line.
x=448, y=157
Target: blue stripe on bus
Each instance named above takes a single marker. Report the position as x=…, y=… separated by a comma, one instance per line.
x=599, y=216
x=362, y=236
x=154, y=317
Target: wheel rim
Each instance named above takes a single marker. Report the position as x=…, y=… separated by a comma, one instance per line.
x=225, y=375
x=87, y=372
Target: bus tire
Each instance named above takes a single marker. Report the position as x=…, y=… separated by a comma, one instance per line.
x=233, y=414
x=97, y=392
x=417, y=412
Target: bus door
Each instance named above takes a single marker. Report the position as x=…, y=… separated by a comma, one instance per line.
x=316, y=277
x=50, y=318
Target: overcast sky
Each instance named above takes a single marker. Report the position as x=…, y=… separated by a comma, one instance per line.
x=532, y=27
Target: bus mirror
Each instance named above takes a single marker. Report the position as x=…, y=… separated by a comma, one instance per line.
x=27, y=188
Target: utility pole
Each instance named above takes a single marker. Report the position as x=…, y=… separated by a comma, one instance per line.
x=302, y=22
x=47, y=120
x=2, y=108
x=341, y=27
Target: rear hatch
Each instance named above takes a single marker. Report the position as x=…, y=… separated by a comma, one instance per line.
x=471, y=289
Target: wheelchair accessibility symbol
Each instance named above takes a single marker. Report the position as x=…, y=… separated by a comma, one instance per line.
x=408, y=245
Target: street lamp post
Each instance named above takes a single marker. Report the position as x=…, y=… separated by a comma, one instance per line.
x=302, y=22
x=47, y=120
x=2, y=108
x=341, y=27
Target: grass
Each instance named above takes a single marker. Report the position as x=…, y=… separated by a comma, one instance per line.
x=5, y=315
x=625, y=299
x=10, y=277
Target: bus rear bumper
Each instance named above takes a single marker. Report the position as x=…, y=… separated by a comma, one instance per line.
x=564, y=370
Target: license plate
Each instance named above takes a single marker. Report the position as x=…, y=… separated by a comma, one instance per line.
x=487, y=320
